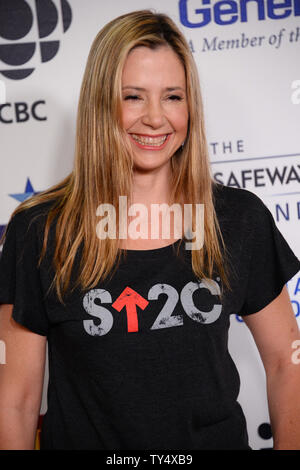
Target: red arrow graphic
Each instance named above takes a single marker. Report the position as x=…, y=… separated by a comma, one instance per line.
x=130, y=299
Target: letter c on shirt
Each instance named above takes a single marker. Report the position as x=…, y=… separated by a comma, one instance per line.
x=192, y=311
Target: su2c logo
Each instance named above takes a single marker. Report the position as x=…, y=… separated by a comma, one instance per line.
x=130, y=299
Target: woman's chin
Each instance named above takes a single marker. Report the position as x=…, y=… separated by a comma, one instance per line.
x=150, y=165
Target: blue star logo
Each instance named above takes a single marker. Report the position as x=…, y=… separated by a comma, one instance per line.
x=29, y=191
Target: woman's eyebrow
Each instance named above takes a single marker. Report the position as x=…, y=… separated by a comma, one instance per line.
x=175, y=88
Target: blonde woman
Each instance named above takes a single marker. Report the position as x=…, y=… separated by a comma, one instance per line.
x=137, y=327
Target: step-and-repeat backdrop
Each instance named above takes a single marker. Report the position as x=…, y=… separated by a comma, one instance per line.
x=247, y=53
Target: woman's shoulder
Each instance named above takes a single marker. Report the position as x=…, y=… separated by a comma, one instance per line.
x=240, y=210
x=236, y=199
x=31, y=214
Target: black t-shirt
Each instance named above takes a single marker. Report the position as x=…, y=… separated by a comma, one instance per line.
x=141, y=361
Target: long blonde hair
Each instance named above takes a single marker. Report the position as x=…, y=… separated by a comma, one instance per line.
x=104, y=162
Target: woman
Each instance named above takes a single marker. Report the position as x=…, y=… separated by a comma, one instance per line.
x=137, y=328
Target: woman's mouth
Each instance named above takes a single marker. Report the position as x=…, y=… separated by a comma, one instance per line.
x=147, y=142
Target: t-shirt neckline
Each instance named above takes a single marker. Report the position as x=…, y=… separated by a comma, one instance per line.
x=153, y=252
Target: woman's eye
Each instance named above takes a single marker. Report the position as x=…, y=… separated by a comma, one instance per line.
x=132, y=97
x=175, y=98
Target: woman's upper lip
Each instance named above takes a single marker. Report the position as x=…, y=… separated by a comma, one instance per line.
x=150, y=135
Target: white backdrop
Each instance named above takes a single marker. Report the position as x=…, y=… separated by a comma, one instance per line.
x=247, y=54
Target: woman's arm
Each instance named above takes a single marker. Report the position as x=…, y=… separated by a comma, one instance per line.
x=21, y=382
x=275, y=329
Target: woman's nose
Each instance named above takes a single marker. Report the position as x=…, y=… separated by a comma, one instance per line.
x=154, y=114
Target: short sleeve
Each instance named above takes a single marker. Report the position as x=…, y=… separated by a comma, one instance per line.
x=20, y=282
x=272, y=263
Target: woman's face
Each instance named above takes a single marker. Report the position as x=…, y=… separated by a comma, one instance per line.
x=154, y=105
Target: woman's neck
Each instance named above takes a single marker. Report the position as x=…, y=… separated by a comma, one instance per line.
x=152, y=187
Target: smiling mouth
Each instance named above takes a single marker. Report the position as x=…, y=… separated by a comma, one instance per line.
x=148, y=141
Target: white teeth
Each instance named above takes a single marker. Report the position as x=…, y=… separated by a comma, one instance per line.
x=155, y=141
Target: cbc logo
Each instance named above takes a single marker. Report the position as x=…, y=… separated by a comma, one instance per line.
x=16, y=21
x=21, y=112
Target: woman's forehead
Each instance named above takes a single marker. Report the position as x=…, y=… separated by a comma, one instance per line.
x=152, y=65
